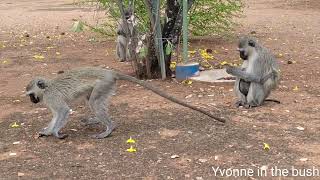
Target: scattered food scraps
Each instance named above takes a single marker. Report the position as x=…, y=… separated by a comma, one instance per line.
x=174, y=156
x=300, y=128
x=12, y=154
x=303, y=159
x=17, y=142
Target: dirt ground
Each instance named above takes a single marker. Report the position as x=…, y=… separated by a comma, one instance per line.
x=173, y=142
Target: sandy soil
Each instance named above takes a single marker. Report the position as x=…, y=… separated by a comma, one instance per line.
x=162, y=129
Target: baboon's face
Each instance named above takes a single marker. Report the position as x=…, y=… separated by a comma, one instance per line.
x=246, y=47
x=35, y=90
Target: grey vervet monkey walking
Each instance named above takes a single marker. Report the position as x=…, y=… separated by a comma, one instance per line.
x=258, y=75
x=122, y=47
x=96, y=85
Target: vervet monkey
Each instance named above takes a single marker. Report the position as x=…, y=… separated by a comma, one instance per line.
x=96, y=85
x=122, y=47
x=258, y=75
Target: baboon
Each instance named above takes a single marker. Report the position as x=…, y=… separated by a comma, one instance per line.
x=93, y=83
x=122, y=47
x=258, y=75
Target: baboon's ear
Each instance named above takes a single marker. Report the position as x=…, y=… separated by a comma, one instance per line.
x=252, y=43
x=41, y=84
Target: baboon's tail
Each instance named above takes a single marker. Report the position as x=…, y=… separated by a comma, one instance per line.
x=162, y=94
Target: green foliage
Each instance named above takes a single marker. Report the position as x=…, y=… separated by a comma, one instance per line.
x=77, y=26
x=169, y=48
x=206, y=17
x=113, y=13
x=143, y=52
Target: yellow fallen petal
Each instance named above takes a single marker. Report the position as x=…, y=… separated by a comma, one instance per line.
x=38, y=57
x=187, y=81
x=130, y=140
x=224, y=63
x=192, y=52
x=131, y=149
x=58, y=53
x=15, y=125
x=4, y=62
x=173, y=65
x=295, y=88
x=266, y=146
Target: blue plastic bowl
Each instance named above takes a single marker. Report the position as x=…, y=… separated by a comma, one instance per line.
x=184, y=71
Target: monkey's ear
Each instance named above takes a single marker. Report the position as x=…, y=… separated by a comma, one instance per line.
x=41, y=84
x=251, y=43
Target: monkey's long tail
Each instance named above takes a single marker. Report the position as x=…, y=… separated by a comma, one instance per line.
x=273, y=100
x=162, y=94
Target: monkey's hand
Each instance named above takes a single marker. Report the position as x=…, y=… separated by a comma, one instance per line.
x=242, y=74
x=229, y=69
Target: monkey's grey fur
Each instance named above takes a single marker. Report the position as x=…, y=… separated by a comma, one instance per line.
x=96, y=84
x=122, y=47
x=258, y=75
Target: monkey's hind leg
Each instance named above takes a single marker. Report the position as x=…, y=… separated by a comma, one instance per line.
x=102, y=90
x=255, y=96
x=121, y=49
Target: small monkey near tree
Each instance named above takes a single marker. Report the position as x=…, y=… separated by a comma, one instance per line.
x=94, y=84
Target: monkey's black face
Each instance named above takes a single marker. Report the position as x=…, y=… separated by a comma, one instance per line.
x=33, y=98
x=243, y=55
